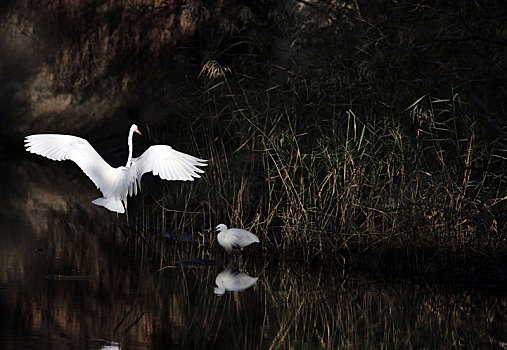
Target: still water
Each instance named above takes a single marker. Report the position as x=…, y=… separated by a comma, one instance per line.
x=72, y=275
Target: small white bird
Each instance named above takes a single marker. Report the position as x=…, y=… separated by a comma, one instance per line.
x=233, y=280
x=117, y=183
x=235, y=238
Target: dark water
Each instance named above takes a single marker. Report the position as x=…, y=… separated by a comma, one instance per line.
x=71, y=277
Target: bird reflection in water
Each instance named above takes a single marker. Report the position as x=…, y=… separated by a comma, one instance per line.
x=233, y=280
x=111, y=346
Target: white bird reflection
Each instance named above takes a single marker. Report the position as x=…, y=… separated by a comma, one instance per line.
x=233, y=280
x=110, y=345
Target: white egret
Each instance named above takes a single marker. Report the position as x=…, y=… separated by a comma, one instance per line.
x=235, y=238
x=233, y=280
x=117, y=183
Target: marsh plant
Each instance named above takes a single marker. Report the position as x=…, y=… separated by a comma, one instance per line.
x=328, y=123
x=366, y=136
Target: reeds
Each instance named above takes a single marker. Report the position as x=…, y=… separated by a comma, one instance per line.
x=131, y=299
x=327, y=126
x=314, y=185
x=346, y=152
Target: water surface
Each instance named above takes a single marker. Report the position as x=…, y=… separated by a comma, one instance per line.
x=74, y=275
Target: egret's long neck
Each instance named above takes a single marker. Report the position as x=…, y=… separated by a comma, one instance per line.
x=129, y=160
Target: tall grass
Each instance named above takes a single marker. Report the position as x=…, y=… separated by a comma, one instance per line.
x=347, y=149
x=135, y=298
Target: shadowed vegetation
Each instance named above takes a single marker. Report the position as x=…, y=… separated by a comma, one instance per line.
x=342, y=133
x=334, y=128
x=380, y=134
x=143, y=298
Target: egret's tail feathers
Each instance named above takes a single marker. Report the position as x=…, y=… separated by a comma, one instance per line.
x=110, y=203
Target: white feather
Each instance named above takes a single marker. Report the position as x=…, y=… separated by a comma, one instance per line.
x=235, y=238
x=116, y=183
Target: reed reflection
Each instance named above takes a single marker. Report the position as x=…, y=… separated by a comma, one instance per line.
x=107, y=283
x=233, y=280
x=69, y=274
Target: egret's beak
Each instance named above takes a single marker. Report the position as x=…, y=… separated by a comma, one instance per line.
x=137, y=130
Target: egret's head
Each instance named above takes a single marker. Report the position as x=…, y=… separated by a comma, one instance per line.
x=134, y=128
x=221, y=228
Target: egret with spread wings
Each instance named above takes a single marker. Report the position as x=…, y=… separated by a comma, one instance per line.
x=117, y=183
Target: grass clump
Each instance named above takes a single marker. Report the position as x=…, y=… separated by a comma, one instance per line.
x=360, y=130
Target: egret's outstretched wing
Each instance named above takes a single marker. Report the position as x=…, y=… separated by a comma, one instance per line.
x=167, y=163
x=62, y=147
